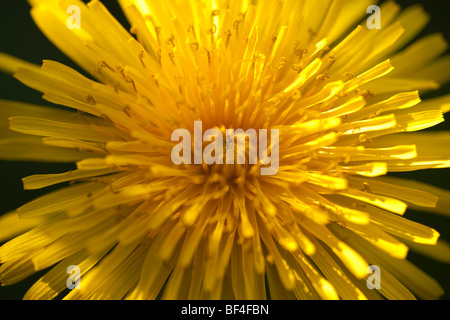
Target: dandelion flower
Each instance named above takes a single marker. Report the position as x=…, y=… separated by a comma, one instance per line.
x=345, y=99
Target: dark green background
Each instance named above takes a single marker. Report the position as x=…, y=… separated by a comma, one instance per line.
x=20, y=37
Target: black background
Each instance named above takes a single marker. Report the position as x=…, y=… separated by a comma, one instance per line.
x=20, y=37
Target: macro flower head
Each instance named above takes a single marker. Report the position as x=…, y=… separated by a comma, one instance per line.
x=344, y=98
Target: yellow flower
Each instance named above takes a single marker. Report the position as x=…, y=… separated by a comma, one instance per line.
x=344, y=99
